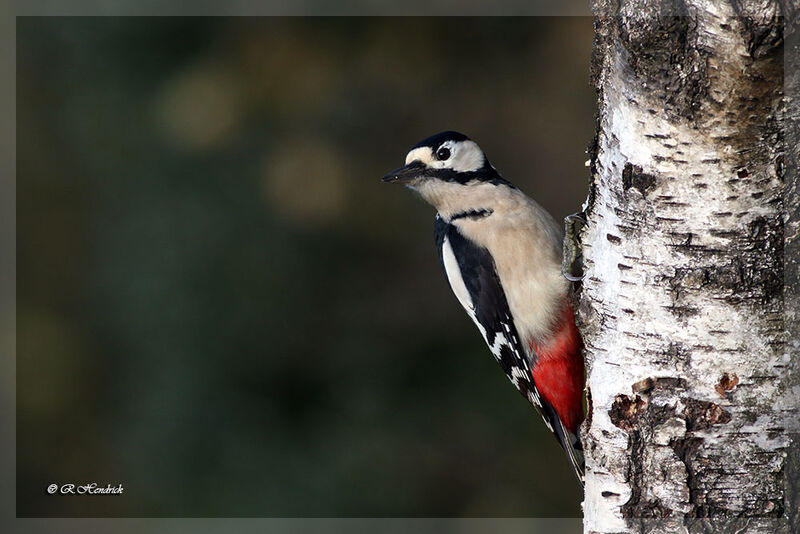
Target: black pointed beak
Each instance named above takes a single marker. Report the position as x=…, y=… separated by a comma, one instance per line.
x=405, y=174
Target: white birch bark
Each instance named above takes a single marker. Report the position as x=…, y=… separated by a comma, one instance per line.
x=689, y=355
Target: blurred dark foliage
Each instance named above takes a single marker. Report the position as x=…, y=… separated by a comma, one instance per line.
x=222, y=308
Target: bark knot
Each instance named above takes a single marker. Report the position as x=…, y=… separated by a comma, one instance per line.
x=661, y=422
x=625, y=411
x=727, y=383
x=634, y=176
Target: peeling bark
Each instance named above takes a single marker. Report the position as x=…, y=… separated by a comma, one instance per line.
x=690, y=344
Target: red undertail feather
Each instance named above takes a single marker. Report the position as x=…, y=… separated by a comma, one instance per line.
x=558, y=373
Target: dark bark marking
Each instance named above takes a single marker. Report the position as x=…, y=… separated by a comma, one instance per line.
x=659, y=38
x=640, y=415
x=683, y=311
x=643, y=386
x=633, y=176
x=686, y=449
x=739, y=273
x=624, y=413
x=780, y=168
x=750, y=276
x=763, y=24
x=701, y=415
x=589, y=412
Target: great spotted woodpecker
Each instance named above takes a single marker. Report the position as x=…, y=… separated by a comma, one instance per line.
x=501, y=253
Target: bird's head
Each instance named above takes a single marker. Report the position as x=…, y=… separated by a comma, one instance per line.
x=446, y=165
x=446, y=156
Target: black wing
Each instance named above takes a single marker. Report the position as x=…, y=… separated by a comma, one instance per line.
x=489, y=309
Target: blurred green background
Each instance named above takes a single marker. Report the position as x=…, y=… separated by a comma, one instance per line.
x=219, y=305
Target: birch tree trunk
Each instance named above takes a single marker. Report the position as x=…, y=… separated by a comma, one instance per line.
x=691, y=361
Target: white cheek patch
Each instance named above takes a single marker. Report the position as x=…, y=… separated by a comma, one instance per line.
x=467, y=157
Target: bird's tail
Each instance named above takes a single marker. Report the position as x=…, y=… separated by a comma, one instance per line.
x=574, y=449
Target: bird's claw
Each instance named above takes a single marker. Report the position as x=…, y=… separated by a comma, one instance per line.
x=578, y=215
x=573, y=253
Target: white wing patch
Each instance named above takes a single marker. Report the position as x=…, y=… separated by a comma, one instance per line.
x=456, y=281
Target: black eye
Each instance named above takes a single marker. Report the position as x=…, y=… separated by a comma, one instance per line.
x=443, y=153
